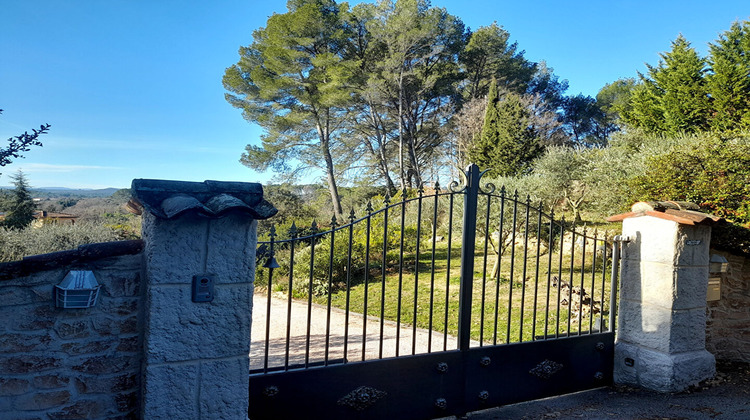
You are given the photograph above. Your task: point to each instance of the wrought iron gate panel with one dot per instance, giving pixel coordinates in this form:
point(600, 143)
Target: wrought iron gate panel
point(434, 345)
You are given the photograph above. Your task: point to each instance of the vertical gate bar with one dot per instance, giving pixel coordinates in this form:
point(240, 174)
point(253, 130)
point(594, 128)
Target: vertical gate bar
point(570, 283)
point(420, 192)
point(583, 273)
point(367, 278)
point(512, 265)
point(525, 261)
point(432, 270)
point(293, 234)
point(549, 268)
point(330, 291)
point(467, 257)
point(313, 228)
point(269, 264)
point(386, 204)
point(484, 269)
point(536, 270)
point(604, 283)
point(348, 285)
point(559, 273)
point(613, 291)
point(499, 262)
point(448, 270)
point(593, 284)
point(400, 272)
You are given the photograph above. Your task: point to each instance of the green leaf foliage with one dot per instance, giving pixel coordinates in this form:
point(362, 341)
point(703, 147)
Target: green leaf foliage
point(708, 170)
point(729, 82)
point(509, 141)
point(672, 98)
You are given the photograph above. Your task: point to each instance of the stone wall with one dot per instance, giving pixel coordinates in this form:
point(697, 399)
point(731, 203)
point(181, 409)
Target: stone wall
point(71, 363)
point(728, 319)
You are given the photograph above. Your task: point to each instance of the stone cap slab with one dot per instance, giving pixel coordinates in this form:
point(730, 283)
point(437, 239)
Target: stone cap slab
point(212, 199)
point(681, 212)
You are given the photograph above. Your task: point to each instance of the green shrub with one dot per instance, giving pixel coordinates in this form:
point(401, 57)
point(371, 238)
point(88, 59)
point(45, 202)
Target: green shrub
point(16, 244)
point(712, 172)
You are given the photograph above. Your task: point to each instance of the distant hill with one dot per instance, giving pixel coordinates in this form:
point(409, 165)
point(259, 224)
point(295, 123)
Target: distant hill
point(53, 192)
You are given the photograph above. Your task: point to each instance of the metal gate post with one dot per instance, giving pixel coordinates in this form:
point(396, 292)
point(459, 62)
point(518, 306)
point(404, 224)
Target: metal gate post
point(468, 240)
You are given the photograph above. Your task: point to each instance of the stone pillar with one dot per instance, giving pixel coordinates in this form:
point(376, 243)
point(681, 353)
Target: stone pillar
point(661, 336)
point(196, 356)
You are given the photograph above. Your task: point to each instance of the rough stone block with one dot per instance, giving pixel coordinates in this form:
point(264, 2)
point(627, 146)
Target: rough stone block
point(691, 285)
point(229, 240)
point(688, 331)
point(13, 386)
point(646, 325)
point(120, 283)
point(69, 329)
point(80, 409)
point(19, 343)
point(105, 364)
point(51, 381)
point(129, 344)
point(28, 364)
point(11, 295)
point(78, 348)
point(223, 389)
point(115, 326)
point(183, 330)
point(42, 400)
point(693, 245)
point(169, 391)
point(175, 249)
point(654, 239)
point(659, 371)
point(648, 282)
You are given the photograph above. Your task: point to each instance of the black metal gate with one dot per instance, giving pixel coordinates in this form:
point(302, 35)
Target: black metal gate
point(380, 318)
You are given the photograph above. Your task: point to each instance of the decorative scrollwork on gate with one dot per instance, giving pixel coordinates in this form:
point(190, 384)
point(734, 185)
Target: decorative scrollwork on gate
point(271, 391)
point(546, 369)
point(361, 398)
point(458, 187)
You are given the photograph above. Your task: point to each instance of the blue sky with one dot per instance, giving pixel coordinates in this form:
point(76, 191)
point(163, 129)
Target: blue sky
point(133, 89)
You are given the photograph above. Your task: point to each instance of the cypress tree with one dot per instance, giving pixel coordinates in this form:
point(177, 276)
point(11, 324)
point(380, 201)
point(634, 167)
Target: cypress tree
point(508, 142)
point(729, 83)
point(21, 206)
point(482, 153)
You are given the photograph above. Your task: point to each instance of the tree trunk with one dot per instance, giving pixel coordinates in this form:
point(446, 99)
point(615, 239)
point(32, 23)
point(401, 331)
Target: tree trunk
point(402, 171)
point(380, 155)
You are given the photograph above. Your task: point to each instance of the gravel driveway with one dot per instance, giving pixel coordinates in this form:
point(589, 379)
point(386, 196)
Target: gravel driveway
point(318, 315)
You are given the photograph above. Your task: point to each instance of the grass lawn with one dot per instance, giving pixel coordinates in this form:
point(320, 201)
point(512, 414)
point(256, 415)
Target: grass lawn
point(503, 311)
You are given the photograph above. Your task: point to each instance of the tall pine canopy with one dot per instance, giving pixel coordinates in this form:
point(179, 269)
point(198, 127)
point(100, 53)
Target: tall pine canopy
point(672, 98)
point(729, 82)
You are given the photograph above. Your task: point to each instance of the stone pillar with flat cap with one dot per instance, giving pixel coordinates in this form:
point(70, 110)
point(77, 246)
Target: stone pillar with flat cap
point(200, 240)
point(661, 334)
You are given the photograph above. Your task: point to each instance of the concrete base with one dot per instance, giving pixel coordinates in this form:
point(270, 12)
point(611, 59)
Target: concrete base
point(650, 369)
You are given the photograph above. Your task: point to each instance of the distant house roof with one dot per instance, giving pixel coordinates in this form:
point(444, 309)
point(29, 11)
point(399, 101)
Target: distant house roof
point(170, 199)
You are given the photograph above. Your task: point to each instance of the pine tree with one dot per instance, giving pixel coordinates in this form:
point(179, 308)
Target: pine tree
point(729, 83)
point(21, 205)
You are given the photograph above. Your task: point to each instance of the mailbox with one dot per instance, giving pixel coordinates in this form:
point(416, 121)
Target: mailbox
point(716, 267)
